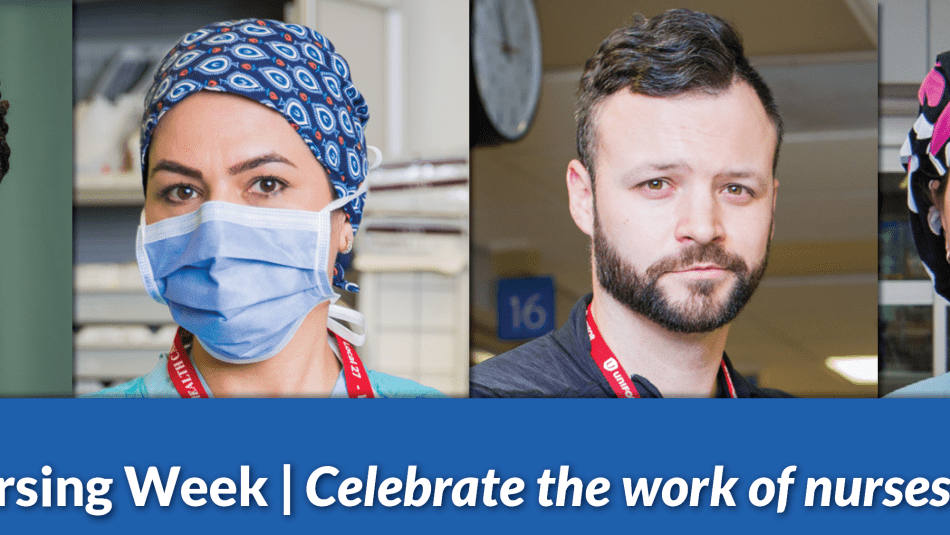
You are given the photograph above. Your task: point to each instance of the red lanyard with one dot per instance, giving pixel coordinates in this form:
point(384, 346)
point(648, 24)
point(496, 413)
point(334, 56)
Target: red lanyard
point(186, 381)
point(183, 374)
point(354, 374)
point(613, 371)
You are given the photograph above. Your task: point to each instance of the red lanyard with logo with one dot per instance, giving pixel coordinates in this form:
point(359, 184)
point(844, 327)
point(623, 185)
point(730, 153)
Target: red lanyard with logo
point(613, 371)
point(186, 381)
point(357, 380)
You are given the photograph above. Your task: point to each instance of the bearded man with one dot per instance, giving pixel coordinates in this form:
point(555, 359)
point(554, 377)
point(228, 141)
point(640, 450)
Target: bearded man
point(677, 139)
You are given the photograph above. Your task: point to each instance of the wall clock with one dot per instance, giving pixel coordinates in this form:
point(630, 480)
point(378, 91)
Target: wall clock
point(505, 70)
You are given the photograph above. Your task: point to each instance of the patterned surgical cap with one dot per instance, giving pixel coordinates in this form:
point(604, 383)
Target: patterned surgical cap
point(292, 70)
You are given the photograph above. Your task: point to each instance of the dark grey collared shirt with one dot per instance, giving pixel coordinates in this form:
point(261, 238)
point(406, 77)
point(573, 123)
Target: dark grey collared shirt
point(559, 365)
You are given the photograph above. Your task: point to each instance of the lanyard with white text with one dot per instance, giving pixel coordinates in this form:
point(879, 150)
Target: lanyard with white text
point(613, 371)
point(357, 380)
point(186, 381)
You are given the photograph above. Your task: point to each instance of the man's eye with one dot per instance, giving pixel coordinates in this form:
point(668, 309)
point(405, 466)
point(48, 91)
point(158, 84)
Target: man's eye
point(735, 189)
point(655, 184)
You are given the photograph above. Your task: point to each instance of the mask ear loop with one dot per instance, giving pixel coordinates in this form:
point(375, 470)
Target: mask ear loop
point(343, 201)
point(348, 315)
point(379, 157)
point(337, 313)
point(933, 220)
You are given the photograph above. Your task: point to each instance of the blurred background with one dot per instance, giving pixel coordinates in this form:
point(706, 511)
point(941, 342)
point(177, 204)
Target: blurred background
point(35, 200)
point(408, 58)
point(913, 317)
point(818, 301)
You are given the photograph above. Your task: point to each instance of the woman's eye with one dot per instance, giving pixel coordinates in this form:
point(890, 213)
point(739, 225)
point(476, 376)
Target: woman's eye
point(655, 185)
point(267, 185)
point(181, 193)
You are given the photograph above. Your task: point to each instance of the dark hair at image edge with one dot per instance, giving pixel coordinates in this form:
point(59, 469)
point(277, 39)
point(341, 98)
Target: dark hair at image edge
point(4, 148)
point(678, 52)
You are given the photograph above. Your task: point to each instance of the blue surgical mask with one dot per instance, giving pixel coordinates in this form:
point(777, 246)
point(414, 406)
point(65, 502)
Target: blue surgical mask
point(241, 278)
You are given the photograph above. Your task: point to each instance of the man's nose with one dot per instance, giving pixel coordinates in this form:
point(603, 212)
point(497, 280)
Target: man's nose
point(699, 219)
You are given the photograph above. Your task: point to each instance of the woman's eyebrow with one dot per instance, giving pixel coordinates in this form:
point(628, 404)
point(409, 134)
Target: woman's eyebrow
point(247, 165)
point(177, 168)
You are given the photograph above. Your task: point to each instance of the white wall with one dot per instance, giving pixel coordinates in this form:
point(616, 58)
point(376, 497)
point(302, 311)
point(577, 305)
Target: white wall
point(409, 58)
point(913, 32)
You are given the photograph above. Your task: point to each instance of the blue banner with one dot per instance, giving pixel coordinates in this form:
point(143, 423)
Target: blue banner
point(472, 466)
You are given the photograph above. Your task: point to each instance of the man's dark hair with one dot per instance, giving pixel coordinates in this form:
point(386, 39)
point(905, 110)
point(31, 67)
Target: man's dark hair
point(678, 52)
point(4, 148)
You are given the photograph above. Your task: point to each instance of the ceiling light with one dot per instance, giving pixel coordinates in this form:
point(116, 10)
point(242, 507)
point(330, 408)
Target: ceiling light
point(860, 370)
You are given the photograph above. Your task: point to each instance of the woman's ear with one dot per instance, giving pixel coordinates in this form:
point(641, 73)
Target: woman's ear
point(344, 233)
point(932, 188)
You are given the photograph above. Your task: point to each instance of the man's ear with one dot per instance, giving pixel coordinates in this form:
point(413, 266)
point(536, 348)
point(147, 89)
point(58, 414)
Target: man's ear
point(774, 199)
point(580, 195)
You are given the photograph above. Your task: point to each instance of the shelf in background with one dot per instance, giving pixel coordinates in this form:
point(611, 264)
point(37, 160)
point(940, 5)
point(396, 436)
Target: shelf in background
point(108, 190)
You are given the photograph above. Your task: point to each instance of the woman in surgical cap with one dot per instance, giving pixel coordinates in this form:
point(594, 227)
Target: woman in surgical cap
point(925, 157)
point(4, 147)
point(254, 168)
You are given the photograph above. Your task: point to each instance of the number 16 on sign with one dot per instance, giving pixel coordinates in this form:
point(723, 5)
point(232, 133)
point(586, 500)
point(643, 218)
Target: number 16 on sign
point(525, 307)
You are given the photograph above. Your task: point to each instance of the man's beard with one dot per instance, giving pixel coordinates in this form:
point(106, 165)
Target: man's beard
point(701, 312)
